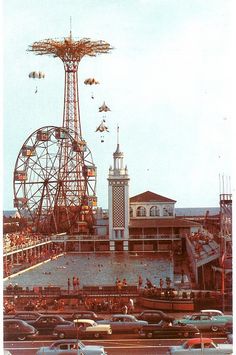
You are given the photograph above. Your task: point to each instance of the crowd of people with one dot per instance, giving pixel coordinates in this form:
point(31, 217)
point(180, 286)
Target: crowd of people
point(121, 283)
point(198, 239)
point(110, 304)
point(73, 285)
point(25, 259)
point(20, 239)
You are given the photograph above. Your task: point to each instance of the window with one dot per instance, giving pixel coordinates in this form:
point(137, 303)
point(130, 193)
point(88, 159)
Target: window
point(63, 347)
point(141, 211)
point(154, 211)
point(26, 316)
point(197, 346)
point(209, 346)
point(131, 212)
point(12, 325)
point(195, 318)
point(167, 211)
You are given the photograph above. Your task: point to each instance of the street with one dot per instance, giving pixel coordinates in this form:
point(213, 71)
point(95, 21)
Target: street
point(120, 344)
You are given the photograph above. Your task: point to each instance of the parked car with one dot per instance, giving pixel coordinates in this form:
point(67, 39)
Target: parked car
point(45, 324)
point(82, 315)
point(124, 323)
point(71, 347)
point(167, 329)
point(154, 316)
point(17, 329)
point(204, 322)
point(27, 316)
point(200, 346)
point(215, 313)
point(82, 328)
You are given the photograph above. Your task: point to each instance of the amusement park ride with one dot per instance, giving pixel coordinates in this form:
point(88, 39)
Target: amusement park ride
point(54, 175)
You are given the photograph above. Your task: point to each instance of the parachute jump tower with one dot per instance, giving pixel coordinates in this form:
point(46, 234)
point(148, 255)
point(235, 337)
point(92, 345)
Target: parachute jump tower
point(54, 176)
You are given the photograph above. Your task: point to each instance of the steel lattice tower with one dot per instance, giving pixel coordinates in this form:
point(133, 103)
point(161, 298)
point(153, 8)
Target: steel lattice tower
point(56, 187)
point(71, 51)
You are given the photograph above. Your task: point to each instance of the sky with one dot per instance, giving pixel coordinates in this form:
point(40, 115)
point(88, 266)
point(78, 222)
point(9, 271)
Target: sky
point(168, 83)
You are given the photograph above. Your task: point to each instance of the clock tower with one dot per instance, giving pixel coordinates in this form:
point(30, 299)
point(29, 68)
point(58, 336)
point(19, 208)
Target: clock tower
point(118, 202)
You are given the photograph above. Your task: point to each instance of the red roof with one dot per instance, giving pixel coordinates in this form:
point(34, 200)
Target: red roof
point(160, 222)
point(149, 196)
point(199, 340)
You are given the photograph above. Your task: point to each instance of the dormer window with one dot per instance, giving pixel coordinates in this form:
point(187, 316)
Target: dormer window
point(154, 211)
point(141, 211)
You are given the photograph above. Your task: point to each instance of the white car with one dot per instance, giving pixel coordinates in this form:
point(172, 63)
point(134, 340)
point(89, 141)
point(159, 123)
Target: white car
point(201, 346)
point(71, 347)
point(82, 328)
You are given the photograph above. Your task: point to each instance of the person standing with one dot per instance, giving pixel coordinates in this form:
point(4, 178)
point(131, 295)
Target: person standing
point(140, 281)
point(68, 285)
point(74, 282)
point(77, 283)
point(161, 284)
point(125, 309)
point(131, 305)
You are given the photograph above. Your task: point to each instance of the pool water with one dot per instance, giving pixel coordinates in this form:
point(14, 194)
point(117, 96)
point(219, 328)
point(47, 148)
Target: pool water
point(96, 269)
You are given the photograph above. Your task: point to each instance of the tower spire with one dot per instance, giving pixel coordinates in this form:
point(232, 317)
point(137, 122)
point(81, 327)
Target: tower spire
point(118, 128)
point(70, 28)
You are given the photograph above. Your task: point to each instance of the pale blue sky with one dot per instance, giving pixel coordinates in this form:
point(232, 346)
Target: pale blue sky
point(168, 84)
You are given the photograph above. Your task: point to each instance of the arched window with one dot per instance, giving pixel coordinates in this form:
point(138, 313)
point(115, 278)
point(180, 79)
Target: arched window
point(141, 211)
point(168, 211)
point(154, 211)
point(131, 212)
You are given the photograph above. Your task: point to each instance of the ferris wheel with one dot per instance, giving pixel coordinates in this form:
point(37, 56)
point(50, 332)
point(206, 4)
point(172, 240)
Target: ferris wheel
point(55, 181)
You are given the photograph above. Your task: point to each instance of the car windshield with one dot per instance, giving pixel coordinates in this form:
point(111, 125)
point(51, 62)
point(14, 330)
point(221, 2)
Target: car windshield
point(64, 346)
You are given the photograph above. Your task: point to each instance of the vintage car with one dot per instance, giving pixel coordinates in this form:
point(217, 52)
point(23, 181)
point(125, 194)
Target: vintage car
point(215, 313)
point(24, 315)
point(200, 346)
point(124, 323)
point(45, 324)
point(167, 329)
point(82, 328)
point(81, 315)
point(204, 322)
point(17, 329)
point(154, 316)
point(71, 347)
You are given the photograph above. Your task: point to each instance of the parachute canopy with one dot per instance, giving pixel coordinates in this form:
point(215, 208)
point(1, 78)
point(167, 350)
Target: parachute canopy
point(102, 127)
point(91, 81)
point(36, 75)
point(104, 108)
